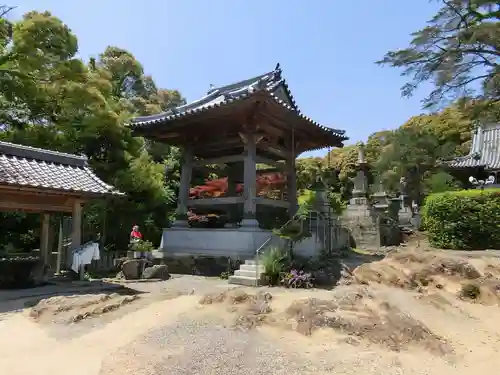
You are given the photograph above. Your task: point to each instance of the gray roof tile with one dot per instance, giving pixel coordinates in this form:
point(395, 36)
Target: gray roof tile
point(272, 82)
point(33, 167)
point(485, 149)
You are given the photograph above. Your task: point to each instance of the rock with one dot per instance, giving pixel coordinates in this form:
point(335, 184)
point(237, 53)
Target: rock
point(322, 278)
point(159, 271)
point(132, 268)
point(118, 262)
point(39, 273)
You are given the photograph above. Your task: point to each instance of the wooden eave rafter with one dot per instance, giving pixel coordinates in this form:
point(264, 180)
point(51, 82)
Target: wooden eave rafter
point(259, 110)
point(32, 199)
point(203, 121)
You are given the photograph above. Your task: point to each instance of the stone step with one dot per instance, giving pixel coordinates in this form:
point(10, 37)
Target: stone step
point(248, 267)
point(251, 262)
point(243, 280)
point(246, 273)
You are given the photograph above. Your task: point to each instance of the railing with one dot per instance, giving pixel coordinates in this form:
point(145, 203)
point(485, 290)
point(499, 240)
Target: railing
point(261, 247)
point(322, 226)
point(257, 256)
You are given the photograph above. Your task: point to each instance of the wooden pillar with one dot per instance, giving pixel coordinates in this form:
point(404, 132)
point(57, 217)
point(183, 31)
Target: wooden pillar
point(44, 239)
point(232, 176)
point(59, 247)
point(291, 185)
point(185, 181)
point(231, 179)
point(76, 229)
point(249, 180)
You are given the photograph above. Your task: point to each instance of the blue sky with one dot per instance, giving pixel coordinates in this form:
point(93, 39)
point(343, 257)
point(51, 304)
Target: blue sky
point(326, 48)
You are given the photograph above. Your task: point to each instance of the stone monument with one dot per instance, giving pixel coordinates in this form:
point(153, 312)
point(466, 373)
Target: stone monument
point(360, 181)
point(359, 216)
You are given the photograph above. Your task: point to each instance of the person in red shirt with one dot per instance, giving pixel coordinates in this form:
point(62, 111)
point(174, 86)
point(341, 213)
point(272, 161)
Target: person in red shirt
point(135, 235)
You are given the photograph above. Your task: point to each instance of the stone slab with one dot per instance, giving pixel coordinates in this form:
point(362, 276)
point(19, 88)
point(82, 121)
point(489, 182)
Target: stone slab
point(242, 280)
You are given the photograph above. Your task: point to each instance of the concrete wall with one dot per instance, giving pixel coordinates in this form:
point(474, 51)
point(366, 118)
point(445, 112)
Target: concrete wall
point(230, 242)
point(243, 243)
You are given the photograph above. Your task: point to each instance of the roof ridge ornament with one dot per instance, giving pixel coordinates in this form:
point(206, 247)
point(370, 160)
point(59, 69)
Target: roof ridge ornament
point(211, 89)
point(277, 72)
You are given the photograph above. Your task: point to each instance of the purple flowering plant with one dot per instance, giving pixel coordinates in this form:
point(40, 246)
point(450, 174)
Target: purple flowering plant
point(297, 279)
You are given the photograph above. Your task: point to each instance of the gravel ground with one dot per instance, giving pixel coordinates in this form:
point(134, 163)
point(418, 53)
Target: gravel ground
point(202, 347)
point(181, 284)
point(164, 334)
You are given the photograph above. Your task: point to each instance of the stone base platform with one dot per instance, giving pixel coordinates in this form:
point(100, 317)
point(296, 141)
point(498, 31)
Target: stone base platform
point(236, 243)
point(208, 252)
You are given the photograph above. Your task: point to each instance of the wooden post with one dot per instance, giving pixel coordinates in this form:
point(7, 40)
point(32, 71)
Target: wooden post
point(232, 176)
point(291, 185)
point(186, 174)
point(59, 247)
point(44, 238)
point(249, 180)
point(76, 230)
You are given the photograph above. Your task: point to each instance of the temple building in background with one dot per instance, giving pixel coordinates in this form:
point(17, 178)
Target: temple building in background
point(483, 159)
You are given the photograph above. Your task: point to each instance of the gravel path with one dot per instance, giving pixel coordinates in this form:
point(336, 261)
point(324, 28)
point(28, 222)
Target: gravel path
point(201, 347)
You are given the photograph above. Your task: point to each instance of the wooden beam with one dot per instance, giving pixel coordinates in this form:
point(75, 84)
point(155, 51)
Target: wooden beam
point(280, 152)
point(218, 161)
point(38, 192)
point(27, 207)
point(26, 201)
point(208, 144)
point(215, 201)
point(272, 202)
point(269, 161)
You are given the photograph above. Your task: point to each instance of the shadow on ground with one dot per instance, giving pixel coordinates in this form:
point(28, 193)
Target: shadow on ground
point(18, 299)
point(335, 271)
point(354, 259)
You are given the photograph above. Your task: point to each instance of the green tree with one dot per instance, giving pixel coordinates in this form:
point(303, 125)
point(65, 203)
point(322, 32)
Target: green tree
point(307, 171)
point(59, 102)
point(412, 154)
point(458, 50)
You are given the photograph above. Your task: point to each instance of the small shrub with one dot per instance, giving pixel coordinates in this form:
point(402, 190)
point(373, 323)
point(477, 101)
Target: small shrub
point(470, 291)
point(274, 261)
point(465, 220)
point(142, 246)
point(337, 203)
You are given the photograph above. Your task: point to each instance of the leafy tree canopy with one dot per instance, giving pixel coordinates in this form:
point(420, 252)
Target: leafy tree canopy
point(50, 98)
point(458, 50)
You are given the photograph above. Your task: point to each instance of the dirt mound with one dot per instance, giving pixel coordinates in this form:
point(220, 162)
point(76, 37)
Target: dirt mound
point(71, 309)
point(424, 271)
point(360, 315)
point(250, 310)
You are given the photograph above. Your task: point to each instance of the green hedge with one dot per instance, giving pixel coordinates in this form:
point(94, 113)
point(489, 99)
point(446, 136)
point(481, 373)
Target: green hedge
point(465, 220)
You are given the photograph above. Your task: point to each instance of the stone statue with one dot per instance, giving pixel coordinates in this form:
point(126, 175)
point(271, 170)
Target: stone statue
point(402, 185)
point(361, 154)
